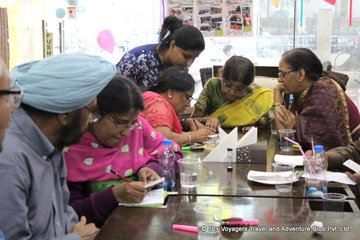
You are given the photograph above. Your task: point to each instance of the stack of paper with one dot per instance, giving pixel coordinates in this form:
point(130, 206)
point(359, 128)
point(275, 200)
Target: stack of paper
point(296, 160)
point(333, 177)
point(153, 199)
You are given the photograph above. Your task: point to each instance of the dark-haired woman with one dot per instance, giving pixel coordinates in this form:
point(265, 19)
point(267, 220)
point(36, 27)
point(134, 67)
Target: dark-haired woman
point(178, 45)
point(166, 100)
point(234, 99)
point(120, 140)
point(320, 109)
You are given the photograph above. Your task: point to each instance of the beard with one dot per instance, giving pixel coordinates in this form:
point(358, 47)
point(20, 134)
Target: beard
point(73, 132)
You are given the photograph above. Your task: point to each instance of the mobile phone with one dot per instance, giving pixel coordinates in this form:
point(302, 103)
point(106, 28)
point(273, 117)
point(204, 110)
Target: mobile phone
point(352, 165)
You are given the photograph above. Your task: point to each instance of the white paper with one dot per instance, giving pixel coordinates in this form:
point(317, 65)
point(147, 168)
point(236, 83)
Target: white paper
point(218, 154)
point(153, 183)
point(334, 177)
point(152, 197)
point(296, 160)
point(352, 165)
point(222, 134)
point(249, 138)
point(271, 177)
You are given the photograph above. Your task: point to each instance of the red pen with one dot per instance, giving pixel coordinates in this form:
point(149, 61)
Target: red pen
point(123, 178)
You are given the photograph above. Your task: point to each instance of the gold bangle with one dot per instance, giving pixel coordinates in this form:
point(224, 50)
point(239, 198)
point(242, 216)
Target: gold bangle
point(277, 104)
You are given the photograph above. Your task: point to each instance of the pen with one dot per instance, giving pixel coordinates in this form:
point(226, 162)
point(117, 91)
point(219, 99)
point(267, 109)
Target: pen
point(123, 178)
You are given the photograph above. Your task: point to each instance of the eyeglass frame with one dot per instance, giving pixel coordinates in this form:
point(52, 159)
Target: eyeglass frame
point(284, 74)
point(96, 116)
point(123, 125)
point(190, 98)
point(13, 92)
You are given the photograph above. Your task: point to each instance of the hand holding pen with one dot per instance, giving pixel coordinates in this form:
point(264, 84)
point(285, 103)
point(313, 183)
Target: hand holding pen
point(130, 191)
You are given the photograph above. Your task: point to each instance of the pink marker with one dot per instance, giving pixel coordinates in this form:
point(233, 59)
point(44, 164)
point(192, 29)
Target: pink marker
point(186, 228)
point(242, 222)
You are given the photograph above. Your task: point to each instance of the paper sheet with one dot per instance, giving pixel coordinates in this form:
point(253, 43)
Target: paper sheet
point(222, 134)
point(153, 183)
point(218, 154)
point(154, 197)
point(249, 138)
point(296, 160)
point(334, 177)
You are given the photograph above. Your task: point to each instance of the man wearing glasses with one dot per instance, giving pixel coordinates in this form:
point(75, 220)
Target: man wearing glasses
point(7, 100)
point(7, 97)
point(54, 113)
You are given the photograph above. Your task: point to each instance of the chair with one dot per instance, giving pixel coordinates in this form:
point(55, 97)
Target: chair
point(205, 74)
point(266, 71)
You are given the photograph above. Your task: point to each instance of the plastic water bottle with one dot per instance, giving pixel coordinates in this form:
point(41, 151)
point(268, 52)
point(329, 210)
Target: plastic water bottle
point(316, 184)
point(291, 100)
point(167, 160)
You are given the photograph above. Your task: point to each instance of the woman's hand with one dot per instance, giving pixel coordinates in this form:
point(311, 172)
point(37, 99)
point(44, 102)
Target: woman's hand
point(355, 177)
point(200, 135)
point(212, 123)
point(194, 124)
point(132, 192)
point(146, 174)
point(285, 117)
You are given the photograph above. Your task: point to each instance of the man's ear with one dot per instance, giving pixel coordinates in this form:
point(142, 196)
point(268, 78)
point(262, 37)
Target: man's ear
point(64, 118)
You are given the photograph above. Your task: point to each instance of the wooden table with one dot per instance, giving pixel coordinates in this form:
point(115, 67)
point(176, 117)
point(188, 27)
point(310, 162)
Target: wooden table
point(239, 198)
point(280, 218)
point(215, 179)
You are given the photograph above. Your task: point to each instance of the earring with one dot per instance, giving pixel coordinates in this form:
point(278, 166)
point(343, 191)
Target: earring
point(170, 96)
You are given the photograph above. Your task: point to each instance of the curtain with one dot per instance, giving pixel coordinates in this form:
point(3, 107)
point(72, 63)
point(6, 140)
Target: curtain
point(4, 36)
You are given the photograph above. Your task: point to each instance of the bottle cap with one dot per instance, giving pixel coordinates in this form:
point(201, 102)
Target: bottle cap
point(318, 148)
point(167, 142)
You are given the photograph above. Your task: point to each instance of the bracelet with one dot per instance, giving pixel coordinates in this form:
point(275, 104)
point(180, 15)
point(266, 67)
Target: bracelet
point(278, 104)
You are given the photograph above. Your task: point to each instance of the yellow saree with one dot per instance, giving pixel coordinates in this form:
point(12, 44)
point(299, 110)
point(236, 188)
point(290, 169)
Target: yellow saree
point(247, 110)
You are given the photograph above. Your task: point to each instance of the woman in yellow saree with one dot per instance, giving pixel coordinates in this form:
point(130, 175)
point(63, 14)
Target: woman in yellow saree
point(234, 100)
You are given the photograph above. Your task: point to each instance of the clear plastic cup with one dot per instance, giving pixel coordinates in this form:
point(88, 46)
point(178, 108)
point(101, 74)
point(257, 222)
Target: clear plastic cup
point(333, 202)
point(208, 220)
point(283, 184)
point(285, 145)
point(188, 172)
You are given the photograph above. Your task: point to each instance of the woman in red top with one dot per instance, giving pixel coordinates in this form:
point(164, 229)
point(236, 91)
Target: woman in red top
point(166, 100)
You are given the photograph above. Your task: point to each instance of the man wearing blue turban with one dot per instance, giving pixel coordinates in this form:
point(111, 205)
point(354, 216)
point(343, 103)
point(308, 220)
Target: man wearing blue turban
point(58, 104)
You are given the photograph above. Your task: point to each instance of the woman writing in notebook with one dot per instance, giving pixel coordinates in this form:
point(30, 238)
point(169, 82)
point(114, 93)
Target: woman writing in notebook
point(166, 100)
point(119, 141)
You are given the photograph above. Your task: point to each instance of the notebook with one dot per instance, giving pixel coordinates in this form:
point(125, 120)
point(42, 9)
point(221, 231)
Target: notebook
point(153, 199)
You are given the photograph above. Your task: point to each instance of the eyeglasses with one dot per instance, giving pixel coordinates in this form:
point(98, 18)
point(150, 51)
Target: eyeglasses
point(283, 74)
point(188, 97)
point(124, 124)
point(238, 89)
point(13, 96)
point(93, 114)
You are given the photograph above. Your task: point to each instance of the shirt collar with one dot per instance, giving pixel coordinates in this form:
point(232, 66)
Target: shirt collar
point(32, 135)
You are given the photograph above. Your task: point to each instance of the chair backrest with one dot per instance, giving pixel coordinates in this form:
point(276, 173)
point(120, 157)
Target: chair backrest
point(205, 74)
point(266, 71)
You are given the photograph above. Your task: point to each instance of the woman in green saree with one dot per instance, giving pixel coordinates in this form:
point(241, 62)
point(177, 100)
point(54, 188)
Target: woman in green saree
point(234, 99)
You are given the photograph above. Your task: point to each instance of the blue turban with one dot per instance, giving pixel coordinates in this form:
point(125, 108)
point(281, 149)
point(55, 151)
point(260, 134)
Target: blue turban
point(63, 83)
